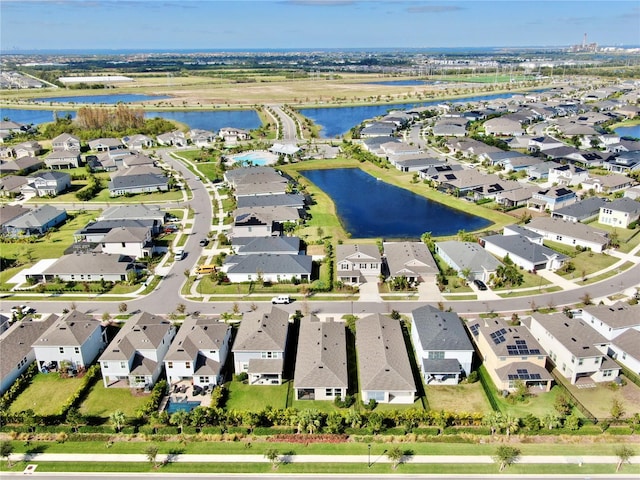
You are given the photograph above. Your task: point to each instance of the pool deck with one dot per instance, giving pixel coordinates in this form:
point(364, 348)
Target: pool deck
point(185, 394)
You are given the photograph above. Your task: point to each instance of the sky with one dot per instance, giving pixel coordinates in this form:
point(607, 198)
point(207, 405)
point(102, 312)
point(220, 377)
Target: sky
point(301, 24)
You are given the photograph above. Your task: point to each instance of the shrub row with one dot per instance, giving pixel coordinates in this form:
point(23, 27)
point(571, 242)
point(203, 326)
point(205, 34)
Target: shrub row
point(17, 387)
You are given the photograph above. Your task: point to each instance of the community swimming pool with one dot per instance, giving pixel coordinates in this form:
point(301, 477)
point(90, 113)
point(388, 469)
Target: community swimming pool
point(254, 157)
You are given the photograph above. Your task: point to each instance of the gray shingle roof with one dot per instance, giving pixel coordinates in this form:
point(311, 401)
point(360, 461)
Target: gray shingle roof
point(277, 245)
point(629, 343)
point(575, 334)
point(322, 355)
point(16, 342)
point(582, 209)
point(571, 229)
point(92, 264)
point(618, 315)
point(143, 331)
point(520, 246)
point(383, 362)
point(267, 264)
point(405, 258)
point(261, 333)
point(469, 255)
point(439, 330)
point(197, 334)
point(70, 330)
point(37, 217)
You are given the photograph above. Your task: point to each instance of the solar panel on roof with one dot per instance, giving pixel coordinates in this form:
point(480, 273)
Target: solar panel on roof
point(474, 329)
point(522, 370)
point(535, 376)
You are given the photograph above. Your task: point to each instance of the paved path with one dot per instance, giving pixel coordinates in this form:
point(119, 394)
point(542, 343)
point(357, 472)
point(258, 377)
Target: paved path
point(364, 459)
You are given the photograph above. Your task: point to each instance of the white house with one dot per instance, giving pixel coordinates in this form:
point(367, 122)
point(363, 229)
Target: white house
point(626, 350)
point(198, 352)
point(134, 357)
point(611, 321)
point(619, 213)
point(356, 262)
point(577, 350)
point(529, 255)
point(469, 259)
point(443, 350)
point(132, 241)
point(15, 345)
point(384, 370)
point(259, 346)
point(75, 339)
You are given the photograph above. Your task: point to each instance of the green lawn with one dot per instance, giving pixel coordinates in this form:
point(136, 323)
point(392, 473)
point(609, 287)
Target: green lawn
point(598, 400)
point(466, 397)
point(243, 396)
point(101, 401)
point(46, 394)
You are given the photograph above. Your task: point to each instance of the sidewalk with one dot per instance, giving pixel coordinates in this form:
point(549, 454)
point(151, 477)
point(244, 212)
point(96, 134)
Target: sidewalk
point(363, 459)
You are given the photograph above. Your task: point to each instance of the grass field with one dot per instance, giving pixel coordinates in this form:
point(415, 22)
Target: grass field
point(467, 397)
point(243, 396)
point(46, 394)
point(101, 401)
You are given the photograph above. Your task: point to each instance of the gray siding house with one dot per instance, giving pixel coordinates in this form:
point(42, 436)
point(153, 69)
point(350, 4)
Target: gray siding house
point(321, 363)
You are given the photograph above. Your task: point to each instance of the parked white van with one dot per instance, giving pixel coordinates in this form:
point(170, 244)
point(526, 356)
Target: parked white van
point(281, 299)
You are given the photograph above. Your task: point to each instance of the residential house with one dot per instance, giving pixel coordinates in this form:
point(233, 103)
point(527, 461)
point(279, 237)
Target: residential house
point(577, 350)
point(552, 198)
point(280, 245)
point(59, 159)
point(10, 185)
point(503, 126)
point(512, 161)
point(15, 345)
point(21, 165)
point(267, 268)
point(233, 135)
point(27, 149)
point(540, 171)
point(384, 370)
point(470, 260)
point(86, 267)
point(582, 211)
point(411, 260)
point(34, 222)
point(611, 321)
point(321, 371)
point(543, 143)
point(175, 138)
point(66, 141)
point(95, 231)
point(515, 197)
point(568, 175)
point(260, 346)
point(619, 213)
point(140, 211)
point(355, 262)
point(626, 350)
point(608, 183)
point(294, 200)
point(138, 142)
point(135, 242)
point(73, 342)
point(199, 352)
point(625, 162)
point(44, 184)
point(9, 212)
point(263, 221)
point(413, 163)
point(569, 233)
point(134, 357)
point(511, 355)
point(444, 352)
point(201, 138)
point(134, 183)
point(105, 144)
point(528, 254)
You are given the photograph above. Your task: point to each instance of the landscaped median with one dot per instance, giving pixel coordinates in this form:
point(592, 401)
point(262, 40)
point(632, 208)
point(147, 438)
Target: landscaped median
point(355, 455)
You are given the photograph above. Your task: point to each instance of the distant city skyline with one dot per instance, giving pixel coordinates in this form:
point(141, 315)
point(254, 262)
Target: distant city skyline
point(291, 24)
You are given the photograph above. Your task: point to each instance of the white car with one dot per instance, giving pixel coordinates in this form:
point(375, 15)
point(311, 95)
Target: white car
point(281, 299)
point(22, 308)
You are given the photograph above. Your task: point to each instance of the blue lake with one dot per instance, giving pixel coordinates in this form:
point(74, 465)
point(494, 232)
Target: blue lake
point(629, 131)
point(206, 120)
point(32, 116)
point(369, 208)
point(336, 121)
point(213, 120)
point(106, 99)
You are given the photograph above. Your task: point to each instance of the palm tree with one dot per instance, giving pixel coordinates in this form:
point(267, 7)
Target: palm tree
point(506, 455)
point(624, 453)
point(273, 456)
point(396, 455)
point(117, 418)
point(179, 418)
